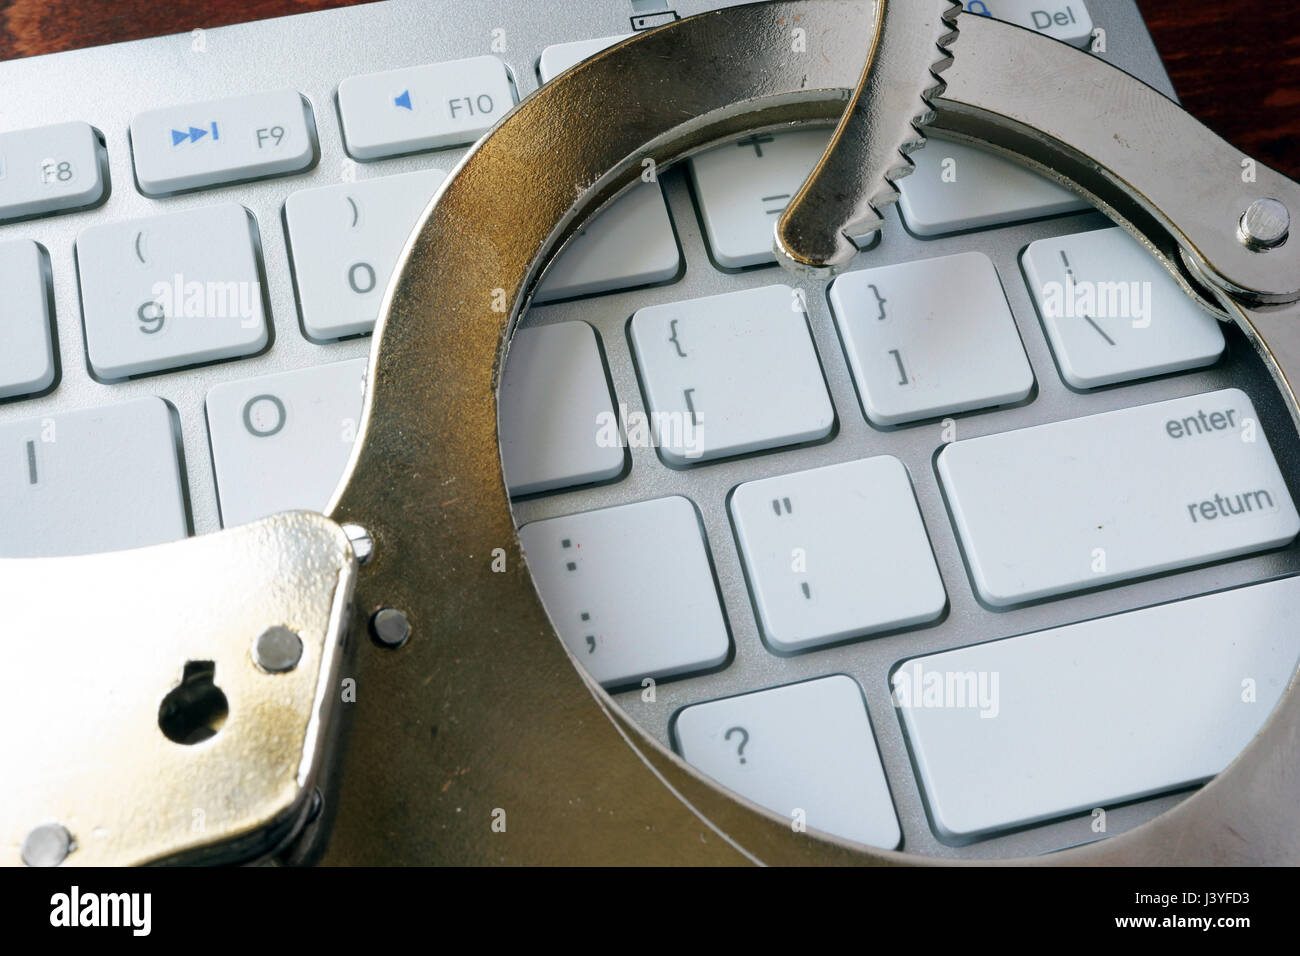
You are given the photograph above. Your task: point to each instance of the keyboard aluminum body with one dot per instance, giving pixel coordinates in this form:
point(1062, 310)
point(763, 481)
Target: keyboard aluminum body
point(108, 86)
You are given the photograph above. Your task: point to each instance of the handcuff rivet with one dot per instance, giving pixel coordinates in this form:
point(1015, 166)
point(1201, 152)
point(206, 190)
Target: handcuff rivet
point(1264, 225)
point(277, 649)
point(389, 627)
point(47, 845)
point(363, 546)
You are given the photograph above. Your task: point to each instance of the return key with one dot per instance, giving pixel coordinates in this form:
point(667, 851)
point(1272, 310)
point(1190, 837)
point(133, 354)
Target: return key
point(1115, 496)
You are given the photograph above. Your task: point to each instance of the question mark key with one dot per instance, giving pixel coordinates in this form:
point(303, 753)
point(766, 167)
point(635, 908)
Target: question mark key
point(804, 751)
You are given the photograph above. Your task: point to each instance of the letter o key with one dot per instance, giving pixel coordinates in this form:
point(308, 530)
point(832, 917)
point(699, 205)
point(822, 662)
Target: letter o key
point(281, 415)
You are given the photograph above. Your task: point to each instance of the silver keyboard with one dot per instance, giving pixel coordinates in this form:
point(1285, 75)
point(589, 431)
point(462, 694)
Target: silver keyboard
point(1002, 449)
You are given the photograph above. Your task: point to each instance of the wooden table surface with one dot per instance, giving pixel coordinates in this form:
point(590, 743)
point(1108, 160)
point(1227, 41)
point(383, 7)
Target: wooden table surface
point(1236, 65)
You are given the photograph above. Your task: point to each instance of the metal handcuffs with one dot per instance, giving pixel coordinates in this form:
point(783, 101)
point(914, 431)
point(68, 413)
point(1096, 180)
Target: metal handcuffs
point(480, 691)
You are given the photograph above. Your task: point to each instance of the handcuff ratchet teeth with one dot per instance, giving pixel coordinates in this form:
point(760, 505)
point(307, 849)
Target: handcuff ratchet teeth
point(480, 713)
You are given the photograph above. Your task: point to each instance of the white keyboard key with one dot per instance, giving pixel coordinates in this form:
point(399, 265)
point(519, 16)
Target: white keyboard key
point(1095, 714)
point(630, 590)
point(836, 552)
point(1086, 502)
point(423, 107)
point(281, 442)
point(803, 747)
point(345, 240)
point(555, 399)
point(222, 141)
point(957, 187)
point(931, 337)
point(1112, 313)
point(50, 169)
point(27, 358)
point(100, 479)
point(558, 57)
point(731, 374)
point(629, 244)
point(1065, 20)
point(744, 186)
point(171, 290)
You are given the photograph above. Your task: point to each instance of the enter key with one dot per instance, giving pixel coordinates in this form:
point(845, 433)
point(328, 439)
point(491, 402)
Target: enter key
point(1077, 504)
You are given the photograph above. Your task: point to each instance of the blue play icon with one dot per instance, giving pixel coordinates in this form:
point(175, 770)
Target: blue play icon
point(192, 135)
point(404, 101)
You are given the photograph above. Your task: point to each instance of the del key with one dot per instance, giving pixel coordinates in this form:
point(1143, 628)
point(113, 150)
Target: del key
point(1077, 504)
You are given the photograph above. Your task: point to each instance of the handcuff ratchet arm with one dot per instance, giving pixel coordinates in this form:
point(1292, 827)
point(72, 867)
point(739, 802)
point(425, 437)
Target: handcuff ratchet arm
point(1125, 147)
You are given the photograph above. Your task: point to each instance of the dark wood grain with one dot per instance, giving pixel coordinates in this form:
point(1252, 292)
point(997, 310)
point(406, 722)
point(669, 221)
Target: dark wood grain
point(1236, 65)
point(31, 27)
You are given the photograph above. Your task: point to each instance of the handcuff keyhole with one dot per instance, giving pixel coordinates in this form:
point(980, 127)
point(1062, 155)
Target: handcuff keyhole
point(196, 709)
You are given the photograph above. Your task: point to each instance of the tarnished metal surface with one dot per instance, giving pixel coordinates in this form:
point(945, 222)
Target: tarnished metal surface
point(483, 710)
point(113, 634)
point(481, 741)
point(482, 744)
